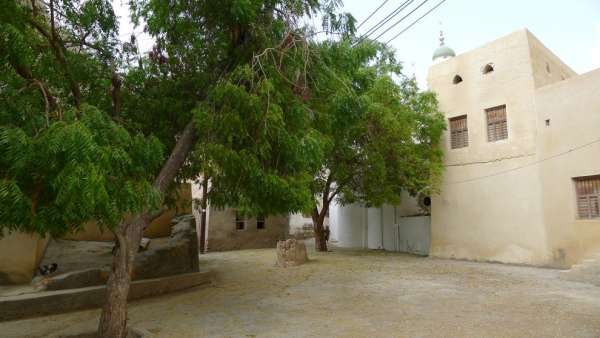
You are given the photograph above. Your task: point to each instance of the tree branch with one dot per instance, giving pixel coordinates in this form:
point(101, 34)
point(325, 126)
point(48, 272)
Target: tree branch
point(116, 93)
point(58, 49)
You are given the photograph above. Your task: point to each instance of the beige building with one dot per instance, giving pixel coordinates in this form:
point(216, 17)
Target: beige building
point(522, 178)
point(228, 229)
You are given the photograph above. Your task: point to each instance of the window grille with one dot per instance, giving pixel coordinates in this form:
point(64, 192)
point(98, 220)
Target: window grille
point(497, 126)
point(459, 132)
point(588, 197)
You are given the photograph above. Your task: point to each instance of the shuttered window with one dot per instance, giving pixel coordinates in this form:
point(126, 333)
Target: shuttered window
point(497, 127)
point(588, 197)
point(459, 133)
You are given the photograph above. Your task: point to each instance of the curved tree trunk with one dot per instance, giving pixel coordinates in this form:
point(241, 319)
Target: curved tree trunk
point(113, 320)
point(318, 220)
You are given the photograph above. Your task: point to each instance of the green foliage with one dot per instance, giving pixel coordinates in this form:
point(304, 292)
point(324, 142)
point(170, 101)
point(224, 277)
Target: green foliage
point(255, 140)
point(73, 172)
point(380, 132)
point(66, 159)
point(260, 149)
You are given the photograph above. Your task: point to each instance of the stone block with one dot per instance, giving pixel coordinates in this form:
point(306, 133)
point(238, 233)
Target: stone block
point(291, 252)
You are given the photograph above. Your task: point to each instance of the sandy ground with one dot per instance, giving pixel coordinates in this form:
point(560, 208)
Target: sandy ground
point(356, 294)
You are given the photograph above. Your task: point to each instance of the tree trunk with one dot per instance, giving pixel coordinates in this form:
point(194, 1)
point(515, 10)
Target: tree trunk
point(203, 205)
point(113, 320)
point(318, 220)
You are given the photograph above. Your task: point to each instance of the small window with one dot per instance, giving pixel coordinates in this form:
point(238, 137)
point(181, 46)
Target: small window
point(547, 122)
point(497, 127)
point(488, 68)
point(459, 133)
point(457, 79)
point(548, 68)
point(260, 222)
point(240, 222)
point(588, 197)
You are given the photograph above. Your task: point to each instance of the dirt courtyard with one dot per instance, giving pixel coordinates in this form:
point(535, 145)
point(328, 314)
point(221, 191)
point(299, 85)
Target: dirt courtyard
point(356, 294)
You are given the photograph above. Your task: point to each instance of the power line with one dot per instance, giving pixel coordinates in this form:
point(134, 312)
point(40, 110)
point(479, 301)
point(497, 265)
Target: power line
point(528, 165)
point(370, 15)
point(419, 19)
point(402, 19)
point(385, 20)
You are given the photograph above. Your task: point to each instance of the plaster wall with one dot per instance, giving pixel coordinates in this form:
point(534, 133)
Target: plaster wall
point(356, 226)
point(20, 255)
point(348, 225)
point(160, 227)
point(223, 235)
point(490, 207)
point(569, 147)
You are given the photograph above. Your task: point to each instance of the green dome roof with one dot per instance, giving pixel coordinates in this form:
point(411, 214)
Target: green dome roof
point(442, 52)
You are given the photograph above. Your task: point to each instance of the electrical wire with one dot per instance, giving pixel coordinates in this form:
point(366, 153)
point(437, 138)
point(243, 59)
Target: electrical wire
point(419, 19)
point(385, 20)
point(373, 13)
point(527, 165)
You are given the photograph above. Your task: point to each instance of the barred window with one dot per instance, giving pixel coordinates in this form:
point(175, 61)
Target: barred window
point(240, 222)
point(459, 133)
point(588, 197)
point(497, 127)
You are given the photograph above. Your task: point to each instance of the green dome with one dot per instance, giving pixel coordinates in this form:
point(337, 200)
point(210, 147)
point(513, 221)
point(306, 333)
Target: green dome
point(443, 52)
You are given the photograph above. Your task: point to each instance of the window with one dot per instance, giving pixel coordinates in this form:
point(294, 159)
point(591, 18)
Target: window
point(260, 222)
point(488, 68)
point(548, 68)
point(457, 79)
point(240, 223)
point(459, 133)
point(588, 197)
point(497, 126)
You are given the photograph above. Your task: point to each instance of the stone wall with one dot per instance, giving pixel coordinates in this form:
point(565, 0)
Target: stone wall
point(223, 235)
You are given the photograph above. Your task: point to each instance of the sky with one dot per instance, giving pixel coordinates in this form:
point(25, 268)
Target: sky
point(571, 29)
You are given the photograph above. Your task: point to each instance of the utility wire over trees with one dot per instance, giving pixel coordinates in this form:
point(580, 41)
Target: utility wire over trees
point(379, 25)
point(385, 20)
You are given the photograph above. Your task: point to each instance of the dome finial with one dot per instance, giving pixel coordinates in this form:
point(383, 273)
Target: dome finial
point(443, 52)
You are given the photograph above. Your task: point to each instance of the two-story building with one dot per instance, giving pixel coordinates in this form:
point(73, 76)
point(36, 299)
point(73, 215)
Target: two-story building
point(522, 158)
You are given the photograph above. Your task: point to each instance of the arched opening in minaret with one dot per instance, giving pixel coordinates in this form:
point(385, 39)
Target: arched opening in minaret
point(457, 79)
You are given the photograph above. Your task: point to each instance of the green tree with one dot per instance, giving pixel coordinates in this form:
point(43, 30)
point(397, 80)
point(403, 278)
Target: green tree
point(94, 131)
point(379, 133)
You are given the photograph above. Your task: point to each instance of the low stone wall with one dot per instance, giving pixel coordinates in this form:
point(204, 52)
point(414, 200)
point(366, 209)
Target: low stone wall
point(54, 302)
point(175, 255)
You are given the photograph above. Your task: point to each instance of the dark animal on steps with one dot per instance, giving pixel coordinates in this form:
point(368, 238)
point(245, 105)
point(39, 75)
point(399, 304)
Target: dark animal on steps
point(48, 269)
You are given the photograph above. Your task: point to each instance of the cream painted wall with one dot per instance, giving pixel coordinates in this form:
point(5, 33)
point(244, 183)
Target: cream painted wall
point(514, 201)
point(497, 218)
point(573, 108)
